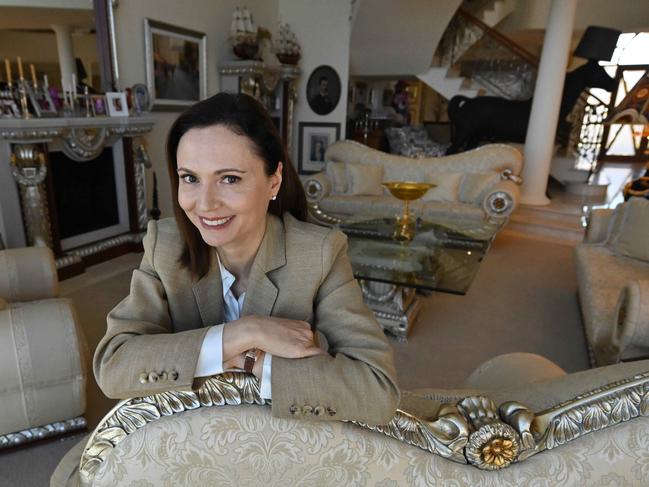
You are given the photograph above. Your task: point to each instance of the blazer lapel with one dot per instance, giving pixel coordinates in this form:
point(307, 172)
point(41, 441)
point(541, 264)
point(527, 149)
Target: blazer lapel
point(208, 292)
point(262, 292)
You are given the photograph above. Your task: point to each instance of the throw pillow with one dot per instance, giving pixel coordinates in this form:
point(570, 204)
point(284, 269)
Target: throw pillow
point(413, 142)
point(475, 184)
point(632, 239)
point(364, 179)
point(615, 223)
point(338, 177)
point(447, 189)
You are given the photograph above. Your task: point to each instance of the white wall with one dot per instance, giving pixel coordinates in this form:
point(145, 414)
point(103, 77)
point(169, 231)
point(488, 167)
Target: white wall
point(323, 31)
point(397, 38)
point(208, 16)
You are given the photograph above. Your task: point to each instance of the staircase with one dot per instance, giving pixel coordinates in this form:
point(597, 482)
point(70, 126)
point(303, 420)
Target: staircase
point(443, 76)
point(558, 222)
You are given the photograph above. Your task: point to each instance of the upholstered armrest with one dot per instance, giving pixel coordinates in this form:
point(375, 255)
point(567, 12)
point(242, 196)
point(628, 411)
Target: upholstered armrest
point(631, 334)
point(317, 186)
point(27, 274)
point(598, 223)
point(501, 199)
point(43, 363)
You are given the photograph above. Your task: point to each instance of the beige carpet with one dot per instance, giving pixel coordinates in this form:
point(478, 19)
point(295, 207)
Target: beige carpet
point(523, 299)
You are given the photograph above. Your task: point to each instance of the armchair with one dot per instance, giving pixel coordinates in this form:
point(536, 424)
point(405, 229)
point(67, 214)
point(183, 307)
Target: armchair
point(42, 373)
point(612, 272)
point(575, 429)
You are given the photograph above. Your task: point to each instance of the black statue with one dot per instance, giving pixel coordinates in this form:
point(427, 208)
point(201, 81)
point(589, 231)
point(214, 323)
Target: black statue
point(495, 119)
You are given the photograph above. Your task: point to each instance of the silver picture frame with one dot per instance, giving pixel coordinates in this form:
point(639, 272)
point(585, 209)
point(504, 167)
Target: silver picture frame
point(174, 84)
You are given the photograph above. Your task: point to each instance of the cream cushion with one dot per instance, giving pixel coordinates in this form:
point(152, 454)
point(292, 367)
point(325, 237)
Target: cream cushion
point(364, 179)
point(337, 175)
point(632, 314)
point(513, 370)
point(447, 186)
point(474, 184)
point(632, 238)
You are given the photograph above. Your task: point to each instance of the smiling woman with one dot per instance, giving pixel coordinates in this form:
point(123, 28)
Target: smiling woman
point(239, 280)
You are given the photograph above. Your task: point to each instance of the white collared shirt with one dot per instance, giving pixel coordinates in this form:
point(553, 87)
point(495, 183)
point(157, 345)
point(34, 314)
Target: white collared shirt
point(210, 358)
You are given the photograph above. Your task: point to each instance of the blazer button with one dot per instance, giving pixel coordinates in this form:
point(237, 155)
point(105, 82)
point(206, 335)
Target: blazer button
point(153, 377)
point(331, 411)
point(319, 411)
point(164, 376)
point(144, 378)
point(307, 410)
point(174, 375)
point(293, 409)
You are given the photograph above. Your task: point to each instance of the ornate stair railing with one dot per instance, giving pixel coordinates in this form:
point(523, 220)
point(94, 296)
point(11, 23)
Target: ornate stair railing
point(476, 51)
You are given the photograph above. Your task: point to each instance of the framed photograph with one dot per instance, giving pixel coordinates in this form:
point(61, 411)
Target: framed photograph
point(41, 102)
point(116, 103)
point(176, 65)
point(313, 142)
point(98, 105)
point(323, 90)
point(9, 109)
point(141, 99)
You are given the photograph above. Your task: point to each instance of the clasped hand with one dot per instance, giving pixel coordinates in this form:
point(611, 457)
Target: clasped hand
point(277, 336)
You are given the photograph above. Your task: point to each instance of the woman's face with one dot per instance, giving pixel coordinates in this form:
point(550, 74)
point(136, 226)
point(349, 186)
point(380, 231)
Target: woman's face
point(223, 187)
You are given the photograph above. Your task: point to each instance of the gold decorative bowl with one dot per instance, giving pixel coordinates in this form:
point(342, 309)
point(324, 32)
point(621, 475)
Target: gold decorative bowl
point(406, 191)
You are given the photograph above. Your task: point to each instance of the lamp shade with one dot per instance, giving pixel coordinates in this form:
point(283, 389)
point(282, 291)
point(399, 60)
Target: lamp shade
point(597, 43)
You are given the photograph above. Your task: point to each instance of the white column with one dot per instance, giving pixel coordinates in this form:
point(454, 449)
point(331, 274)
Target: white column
point(541, 130)
point(66, 52)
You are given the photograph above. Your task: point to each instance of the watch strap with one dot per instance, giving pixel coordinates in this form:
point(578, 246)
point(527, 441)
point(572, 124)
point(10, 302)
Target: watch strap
point(249, 362)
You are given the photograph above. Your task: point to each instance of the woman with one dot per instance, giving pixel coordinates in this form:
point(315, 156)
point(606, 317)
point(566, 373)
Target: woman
point(239, 279)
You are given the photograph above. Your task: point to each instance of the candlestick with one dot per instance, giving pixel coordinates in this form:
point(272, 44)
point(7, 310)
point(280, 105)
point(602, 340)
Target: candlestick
point(20, 69)
point(32, 68)
point(74, 85)
point(46, 85)
point(8, 69)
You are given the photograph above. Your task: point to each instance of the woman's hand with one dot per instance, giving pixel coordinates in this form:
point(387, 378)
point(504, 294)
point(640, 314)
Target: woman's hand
point(285, 338)
point(278, 336)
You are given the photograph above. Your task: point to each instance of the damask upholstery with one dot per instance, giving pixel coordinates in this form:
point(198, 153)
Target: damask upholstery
point(488, 186)
point(602, 274)
point(245, 446)
point(43, 356)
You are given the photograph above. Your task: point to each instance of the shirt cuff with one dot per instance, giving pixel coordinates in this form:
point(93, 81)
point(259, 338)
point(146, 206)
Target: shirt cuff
point(266, 388)
point(210, 358)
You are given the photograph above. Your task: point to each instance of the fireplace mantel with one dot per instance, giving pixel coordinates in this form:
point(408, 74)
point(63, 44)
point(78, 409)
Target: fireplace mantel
point(24, 148)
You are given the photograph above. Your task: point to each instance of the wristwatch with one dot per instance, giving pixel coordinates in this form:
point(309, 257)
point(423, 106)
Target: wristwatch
point(251, 358)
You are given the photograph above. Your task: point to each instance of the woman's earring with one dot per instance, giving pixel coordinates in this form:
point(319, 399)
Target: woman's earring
point(274, 197)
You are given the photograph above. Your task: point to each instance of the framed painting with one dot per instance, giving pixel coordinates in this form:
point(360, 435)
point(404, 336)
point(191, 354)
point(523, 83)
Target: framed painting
point(176, 65)
point(314, 139)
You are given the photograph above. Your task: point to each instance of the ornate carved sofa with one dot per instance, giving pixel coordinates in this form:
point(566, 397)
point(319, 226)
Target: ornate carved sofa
point(585, 428)
point(613, 277)
point(474, 185)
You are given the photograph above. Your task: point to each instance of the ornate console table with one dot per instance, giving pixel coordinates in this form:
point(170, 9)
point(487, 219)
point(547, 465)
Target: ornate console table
point(25, 191)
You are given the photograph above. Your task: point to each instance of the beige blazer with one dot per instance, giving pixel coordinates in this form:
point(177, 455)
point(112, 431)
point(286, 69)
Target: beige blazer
point(302, 272)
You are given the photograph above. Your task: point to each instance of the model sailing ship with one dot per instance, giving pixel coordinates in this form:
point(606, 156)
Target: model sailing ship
point(286, 48)
point(243, 34)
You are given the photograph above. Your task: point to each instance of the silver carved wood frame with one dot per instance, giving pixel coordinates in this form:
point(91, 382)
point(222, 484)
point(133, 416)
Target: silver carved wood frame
point(152, 27)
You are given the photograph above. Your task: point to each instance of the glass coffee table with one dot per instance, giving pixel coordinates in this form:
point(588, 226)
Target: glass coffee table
point(442, 256)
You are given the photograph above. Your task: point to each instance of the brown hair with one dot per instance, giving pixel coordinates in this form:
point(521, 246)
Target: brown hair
point(244, 116)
